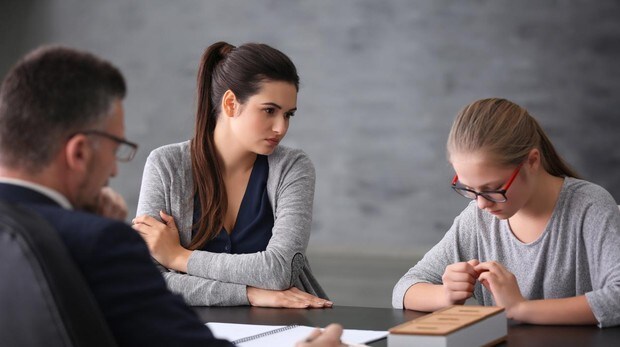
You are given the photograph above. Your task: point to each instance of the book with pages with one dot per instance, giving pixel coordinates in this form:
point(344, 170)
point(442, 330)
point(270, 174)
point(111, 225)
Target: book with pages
point(453, 326)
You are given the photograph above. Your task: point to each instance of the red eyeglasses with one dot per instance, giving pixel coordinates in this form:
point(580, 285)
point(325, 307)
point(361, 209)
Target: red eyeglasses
point(491, 195)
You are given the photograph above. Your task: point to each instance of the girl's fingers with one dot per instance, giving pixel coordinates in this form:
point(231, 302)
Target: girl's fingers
point(492, 266)
point(463, 267)
point(473, 262)
point(486, 279)
point(461, 277)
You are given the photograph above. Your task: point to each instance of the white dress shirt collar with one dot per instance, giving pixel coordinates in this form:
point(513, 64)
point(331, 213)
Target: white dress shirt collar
point(50, 193)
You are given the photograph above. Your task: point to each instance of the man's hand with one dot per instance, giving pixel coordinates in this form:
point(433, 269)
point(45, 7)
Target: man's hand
point(329, 337)
point(109, 204)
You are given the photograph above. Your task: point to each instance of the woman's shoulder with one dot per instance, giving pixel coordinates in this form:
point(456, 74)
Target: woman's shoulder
point(172, 154)
point(285, 152)
point(172, 148)
point(171, 160)
point(286, 157)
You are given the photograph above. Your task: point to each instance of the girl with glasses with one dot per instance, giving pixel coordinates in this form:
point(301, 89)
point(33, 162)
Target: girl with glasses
point(228, 213)
point(536, 239)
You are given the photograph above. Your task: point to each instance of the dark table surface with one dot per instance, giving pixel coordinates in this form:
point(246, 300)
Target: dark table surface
point(368, 318)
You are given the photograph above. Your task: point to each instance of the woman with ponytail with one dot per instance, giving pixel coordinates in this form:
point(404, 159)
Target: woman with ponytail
point(536, 239)
point(228, 213)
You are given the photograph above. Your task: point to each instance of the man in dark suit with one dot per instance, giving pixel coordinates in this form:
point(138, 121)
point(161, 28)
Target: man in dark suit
point(61, 133)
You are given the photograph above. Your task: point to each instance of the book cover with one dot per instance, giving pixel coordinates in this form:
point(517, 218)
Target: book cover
point(453, 326)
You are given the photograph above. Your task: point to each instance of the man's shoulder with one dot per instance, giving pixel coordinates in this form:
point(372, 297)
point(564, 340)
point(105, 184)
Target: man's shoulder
point(82, 229)
point(56, 215)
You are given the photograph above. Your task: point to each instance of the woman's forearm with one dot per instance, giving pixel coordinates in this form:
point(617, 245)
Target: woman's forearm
point(266, 270)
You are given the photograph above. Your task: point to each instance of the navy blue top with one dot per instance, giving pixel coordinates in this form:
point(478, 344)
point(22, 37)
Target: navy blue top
point(252, 230)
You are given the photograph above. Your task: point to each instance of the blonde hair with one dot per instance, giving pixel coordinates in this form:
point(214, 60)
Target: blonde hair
point(506, 131)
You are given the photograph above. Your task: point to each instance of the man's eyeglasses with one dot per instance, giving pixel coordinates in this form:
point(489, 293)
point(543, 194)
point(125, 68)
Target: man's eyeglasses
point(125, 151)
point(491, 195)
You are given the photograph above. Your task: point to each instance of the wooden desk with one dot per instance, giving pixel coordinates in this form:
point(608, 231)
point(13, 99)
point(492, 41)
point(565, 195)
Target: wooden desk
point(384, 318)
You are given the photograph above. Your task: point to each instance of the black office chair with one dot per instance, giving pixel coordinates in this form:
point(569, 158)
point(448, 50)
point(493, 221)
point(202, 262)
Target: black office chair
point(44, 300)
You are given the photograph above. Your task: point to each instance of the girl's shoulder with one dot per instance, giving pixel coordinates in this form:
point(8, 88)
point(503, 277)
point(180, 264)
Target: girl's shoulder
point(582, 192)
point(581, 201)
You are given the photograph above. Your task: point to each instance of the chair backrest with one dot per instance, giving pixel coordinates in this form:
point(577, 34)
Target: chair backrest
point(44, 299)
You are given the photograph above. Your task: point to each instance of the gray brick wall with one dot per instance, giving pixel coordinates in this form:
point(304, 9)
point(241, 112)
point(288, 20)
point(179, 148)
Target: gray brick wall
point(381, 83)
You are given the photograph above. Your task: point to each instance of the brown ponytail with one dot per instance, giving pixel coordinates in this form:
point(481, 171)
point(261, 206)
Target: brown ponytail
point(241, 70)
point(212, 196)
point(505, 130)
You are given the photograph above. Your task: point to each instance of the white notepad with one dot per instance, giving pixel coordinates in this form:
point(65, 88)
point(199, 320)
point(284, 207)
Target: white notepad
point(248, 335)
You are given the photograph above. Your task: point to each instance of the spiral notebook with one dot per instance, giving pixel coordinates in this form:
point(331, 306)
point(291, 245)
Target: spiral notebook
point(248, 335)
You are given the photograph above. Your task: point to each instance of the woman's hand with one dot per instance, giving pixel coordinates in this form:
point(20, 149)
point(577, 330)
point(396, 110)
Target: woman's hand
point(109, 204)
point(289, 298)
point(502, 284)
point(163, 240)
point(329, 337)
point(459, 280)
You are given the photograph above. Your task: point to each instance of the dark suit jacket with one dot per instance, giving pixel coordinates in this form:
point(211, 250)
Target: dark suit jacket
point(117, 266)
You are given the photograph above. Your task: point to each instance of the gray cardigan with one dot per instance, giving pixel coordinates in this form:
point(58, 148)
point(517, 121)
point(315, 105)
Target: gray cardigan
point(220, 279)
